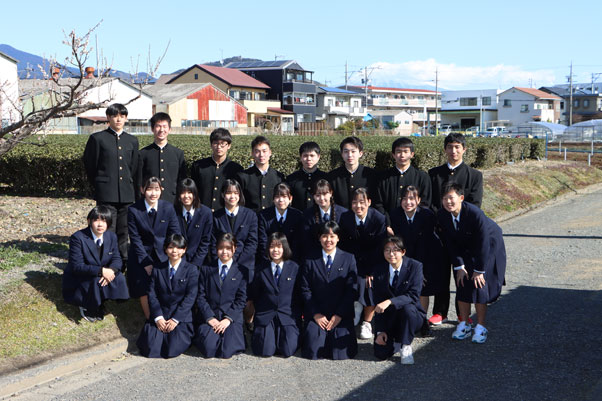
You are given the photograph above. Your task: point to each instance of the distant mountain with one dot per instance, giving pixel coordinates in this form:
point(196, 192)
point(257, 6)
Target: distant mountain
point(28, 66)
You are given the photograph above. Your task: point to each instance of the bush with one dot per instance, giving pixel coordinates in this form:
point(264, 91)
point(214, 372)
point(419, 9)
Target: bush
point(56, 168)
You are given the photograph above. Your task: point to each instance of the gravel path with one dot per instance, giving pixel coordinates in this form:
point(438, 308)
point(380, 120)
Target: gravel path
point(544, 341)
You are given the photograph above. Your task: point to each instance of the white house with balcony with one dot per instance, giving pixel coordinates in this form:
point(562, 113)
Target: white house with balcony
point(336, 106)
point(9, 90)
point(463, 109)
point(523, 105)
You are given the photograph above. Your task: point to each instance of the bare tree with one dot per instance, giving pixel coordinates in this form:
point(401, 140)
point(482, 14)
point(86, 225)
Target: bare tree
point(66, 91)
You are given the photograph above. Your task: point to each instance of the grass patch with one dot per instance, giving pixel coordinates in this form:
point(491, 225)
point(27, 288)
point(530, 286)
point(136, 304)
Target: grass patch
point(23, 253)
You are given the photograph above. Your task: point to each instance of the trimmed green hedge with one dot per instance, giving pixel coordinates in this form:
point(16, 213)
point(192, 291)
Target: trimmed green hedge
point(55, 167)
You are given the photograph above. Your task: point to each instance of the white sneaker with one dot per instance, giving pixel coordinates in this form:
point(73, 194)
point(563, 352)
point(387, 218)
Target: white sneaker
point(406, 355)
point(366, 330)
point(480, 337)
point(462, 331)
point(358, 309)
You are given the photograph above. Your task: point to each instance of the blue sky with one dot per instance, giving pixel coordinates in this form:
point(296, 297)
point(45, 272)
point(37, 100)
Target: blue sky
point(473, 44)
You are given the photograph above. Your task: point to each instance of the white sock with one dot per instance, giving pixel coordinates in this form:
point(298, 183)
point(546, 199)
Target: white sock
point(479, 329)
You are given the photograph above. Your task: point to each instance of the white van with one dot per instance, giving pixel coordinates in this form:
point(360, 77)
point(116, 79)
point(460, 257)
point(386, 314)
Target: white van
point(495, 131)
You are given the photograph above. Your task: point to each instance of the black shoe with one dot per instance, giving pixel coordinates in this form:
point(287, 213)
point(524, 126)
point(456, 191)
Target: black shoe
point(426, 331)
point(100, 313)
point(83, 311)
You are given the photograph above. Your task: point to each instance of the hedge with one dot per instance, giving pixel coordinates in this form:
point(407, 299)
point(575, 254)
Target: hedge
point(53, 165)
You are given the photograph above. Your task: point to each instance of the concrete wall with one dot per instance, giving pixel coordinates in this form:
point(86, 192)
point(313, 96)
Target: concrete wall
point(9, 95)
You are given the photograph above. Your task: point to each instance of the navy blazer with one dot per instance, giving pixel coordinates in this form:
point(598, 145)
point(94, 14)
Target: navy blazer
point(245, 230)
point(292, 228)
point(198, 234)
point(329, 294)
point(173, 298)
point(419, 238)
point(272, 298)
point(477, 243)
point(366, 244)
point(407, 291)
point(147, 240)
point(217, 299)
point(311, 227)
point(84, 262)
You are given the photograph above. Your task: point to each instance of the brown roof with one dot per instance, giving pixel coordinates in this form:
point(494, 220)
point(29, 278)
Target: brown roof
point(278, 110)
point(537, 93)
point(230, 76)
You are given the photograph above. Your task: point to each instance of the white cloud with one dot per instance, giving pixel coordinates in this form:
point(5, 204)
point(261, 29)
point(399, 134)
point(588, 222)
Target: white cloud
point(421, 73)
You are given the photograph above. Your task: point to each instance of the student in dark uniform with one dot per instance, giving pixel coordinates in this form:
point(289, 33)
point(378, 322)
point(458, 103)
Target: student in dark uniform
point(275, 299)
point(323, 210)
point(150, 221)
point(328, 288)
point(393, 180)
point(162, 160)
point(478, 255)
point(172, 293)
point(281, 218)
point(196, 222)
point(302, 180)
point(364, 230)
point(210, 173)
point(220, 302)
point(93, 274)
point(111, 162)
point(471, 180)
point(416, 226)
point(399, 314)
point(259, 180)
point(351, 174)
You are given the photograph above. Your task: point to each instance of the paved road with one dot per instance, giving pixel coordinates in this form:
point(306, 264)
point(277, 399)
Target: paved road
point(545, 340)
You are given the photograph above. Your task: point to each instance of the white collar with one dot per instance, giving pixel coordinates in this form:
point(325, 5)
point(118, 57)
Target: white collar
point(94, 237)
point(148, 208)
point(176, 266)
point(325, 255)
point(278, 215)
point(357, 219)
point(410, 218)
point(235, 212)
point(274, 267)
point(228, 265)
point(184, 211)
point(449, 166)
point(403, 171)
point(392, 270)
point(322, 212)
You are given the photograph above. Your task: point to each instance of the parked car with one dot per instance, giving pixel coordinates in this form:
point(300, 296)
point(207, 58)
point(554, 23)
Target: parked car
point(495, 131)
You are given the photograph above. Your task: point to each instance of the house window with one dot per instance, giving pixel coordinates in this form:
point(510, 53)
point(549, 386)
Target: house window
point(468, 101)
point(576, 103)
point(329, 102)
point(561, 105)
point(356, 103)
point(196, 76)
point(585, 103)
point(486, 101)
point(524, 108)
point(507, 103)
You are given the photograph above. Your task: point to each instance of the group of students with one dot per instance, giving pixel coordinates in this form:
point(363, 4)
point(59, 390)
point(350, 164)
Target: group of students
point(298, 260)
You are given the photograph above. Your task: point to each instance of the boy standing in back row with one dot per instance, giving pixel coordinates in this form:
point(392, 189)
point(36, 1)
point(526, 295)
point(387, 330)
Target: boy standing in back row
point(471, 181)
point(302, 180)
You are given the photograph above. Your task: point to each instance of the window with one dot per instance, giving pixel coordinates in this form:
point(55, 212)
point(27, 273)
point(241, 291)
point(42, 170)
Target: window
point(585, 103)
point(524, 108)
point(330, 102)
point(468, 101)
point(486, 101)
point(356, 103)
point(507, 103)
point(576, 103)
point(196, 76)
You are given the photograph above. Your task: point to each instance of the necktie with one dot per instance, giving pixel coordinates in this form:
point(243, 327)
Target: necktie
point(395, 279)
point(456, 223)
point(410, 222)
point(277, 274)
point(151, 214)
point(328, 264)
point(172, 272)
point(99, 247)
point(361, 225)
point(222, 275)
point(326, 217)
point(281, 221)
point(231, 219)
point(188, 217)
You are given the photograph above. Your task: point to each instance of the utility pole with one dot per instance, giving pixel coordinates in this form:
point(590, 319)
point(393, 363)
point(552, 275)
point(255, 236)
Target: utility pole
point(346, 75)
point(436, 101)
point(571, 95)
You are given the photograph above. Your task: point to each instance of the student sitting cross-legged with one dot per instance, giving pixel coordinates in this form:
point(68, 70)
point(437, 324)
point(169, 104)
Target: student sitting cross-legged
point(399, 314)
point(93, 273)
point(220, 302)
point(172, 293)
point(275, 297)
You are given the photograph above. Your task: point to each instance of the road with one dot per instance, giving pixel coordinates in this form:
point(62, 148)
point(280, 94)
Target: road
point(544, 343)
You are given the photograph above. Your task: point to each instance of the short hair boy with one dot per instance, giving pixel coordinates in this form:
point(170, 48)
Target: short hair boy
point(302, 180)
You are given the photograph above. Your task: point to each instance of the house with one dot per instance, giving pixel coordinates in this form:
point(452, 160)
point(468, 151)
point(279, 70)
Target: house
point(238, 85)
point(41, 93)
point(521, 105)
point(421, 103)
point(9, 91)
point(289, 83)
point(400, 120)
point(336, 106)
point(463, 109)
point(586, 101)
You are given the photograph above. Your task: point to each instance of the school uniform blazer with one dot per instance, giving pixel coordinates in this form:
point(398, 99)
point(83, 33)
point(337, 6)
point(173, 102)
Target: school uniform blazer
point(272, 298)
point(301, 184)
point(221, 300)
point(311, 227)
point(258, 188)
point(209, 179)
point(329, 294)
point(418, 238)
point(344, 183)
point(173, 299)
point(245, 230)
point(292, 228)
point(476, 244)
point(84, 263)
point(392, 183)
point(407, 291)
point(365, 244)
point(167, 164)
point(147, 239)
point(111, 164)
point(469, 178)
point(197, 234)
